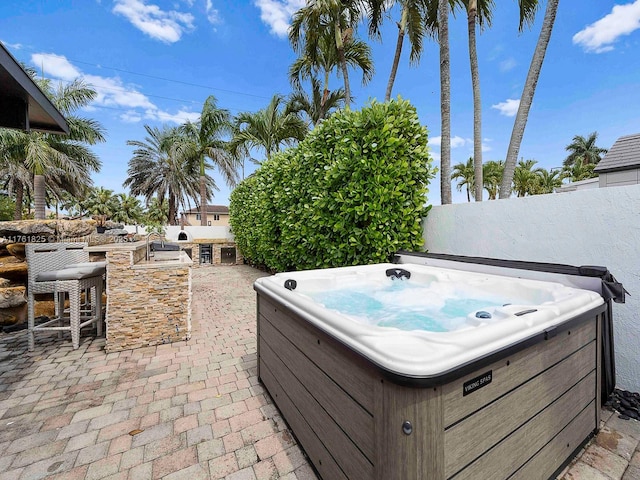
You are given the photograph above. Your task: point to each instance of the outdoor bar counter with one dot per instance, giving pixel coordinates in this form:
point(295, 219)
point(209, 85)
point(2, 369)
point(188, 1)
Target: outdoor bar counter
point(148, 300)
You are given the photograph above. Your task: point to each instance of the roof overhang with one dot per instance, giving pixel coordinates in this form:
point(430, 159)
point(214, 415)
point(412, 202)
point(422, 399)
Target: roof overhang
point(22, 104)
point(617, 169)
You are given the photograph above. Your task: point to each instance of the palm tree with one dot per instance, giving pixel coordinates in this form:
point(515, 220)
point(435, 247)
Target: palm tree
point(268, 129)
point(206, 139)
point(156, 171)
point(100, 201)
point(445, 102)
point(156, 214)
point(577, 171)
point(464, 173)
point(584, 149)
point(15, 176)
point(525, 178)
point(69, 157)
point(316, 107)
point(548, 181)
point(51, 158)
point(492, 173)
point(412, 23)
point(321, 19)
point(325, 61)
point(478, 11)
point(129, 210)
point(527, 7)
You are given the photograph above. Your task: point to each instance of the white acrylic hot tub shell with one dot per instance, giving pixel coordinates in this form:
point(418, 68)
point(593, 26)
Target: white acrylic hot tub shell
point(425, 354)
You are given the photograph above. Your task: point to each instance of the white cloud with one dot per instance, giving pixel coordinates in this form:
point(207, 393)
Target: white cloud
point(53, 65)
point(166, 26)
point(14, 46)
point(598, 37)
point(111, 92)
point(130, 117)
point(507, 108)
point(181, 117)
point(213, 15)
point(455, 142)
point(508, 64)
point(277, 14)
point(459, 142)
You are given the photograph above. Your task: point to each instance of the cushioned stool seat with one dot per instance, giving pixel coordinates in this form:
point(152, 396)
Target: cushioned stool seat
point(67, 273)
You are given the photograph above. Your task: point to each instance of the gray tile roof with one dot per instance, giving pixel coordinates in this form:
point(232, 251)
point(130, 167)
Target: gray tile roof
point(623, 155)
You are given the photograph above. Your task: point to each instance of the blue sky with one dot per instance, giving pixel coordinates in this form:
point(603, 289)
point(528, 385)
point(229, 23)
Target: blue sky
point(156, 61)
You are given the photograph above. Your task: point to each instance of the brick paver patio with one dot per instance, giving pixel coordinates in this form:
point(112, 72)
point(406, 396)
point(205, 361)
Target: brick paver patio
point(189, 410)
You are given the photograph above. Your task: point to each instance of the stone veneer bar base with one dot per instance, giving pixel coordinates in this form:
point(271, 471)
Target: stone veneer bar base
point(147, 304)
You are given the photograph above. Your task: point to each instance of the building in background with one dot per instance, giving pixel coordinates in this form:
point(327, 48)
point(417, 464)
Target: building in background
point(621, 165)
point(217, 215)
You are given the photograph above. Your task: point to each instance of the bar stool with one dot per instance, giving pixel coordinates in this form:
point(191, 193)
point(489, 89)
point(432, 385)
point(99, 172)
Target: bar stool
point(47, 274)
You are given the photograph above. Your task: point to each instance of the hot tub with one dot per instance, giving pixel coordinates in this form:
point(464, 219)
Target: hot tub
point(384, 372)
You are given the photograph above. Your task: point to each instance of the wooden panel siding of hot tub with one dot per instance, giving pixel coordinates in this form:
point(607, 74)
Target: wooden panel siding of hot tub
point(477, 434)
point(510, 372)
point(509, 455)
point(558, 450)
point(356, 422)
point(356, 377)
point(348, 415)
point(323, 390)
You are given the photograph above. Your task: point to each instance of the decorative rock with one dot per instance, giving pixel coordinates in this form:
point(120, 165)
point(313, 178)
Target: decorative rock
point(13, 269)
point(45, 308)
point(45, 230)
point(627, 404)
point(17, 250)
point(75, 228)
point(116, 232)
point(12, 316)
point(4, 283)
point(29, 228)
point(113, 225)
point(11, 297)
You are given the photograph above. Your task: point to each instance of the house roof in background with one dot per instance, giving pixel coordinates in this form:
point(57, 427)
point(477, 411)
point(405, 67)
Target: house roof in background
point(219, 209)
point(623, 155)
point(19, 91)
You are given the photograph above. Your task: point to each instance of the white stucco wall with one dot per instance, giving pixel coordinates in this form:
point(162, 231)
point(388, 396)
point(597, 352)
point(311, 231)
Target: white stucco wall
point(193, 232)
point(586, 227)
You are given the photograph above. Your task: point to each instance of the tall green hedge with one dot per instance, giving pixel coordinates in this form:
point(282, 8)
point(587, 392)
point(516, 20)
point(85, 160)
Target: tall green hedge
point(352, 192)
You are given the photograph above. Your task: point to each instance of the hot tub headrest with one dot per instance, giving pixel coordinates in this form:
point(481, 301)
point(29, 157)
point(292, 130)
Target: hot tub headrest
point(398, 273)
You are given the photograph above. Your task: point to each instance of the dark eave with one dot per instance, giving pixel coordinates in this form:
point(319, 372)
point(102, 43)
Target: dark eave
point(22, 104)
